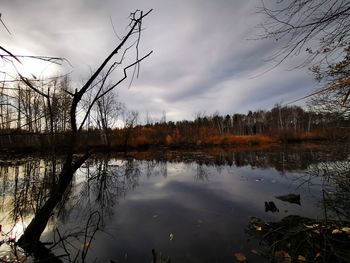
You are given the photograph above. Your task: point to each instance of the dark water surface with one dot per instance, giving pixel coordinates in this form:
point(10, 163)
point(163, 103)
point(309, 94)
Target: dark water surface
point(188, 206)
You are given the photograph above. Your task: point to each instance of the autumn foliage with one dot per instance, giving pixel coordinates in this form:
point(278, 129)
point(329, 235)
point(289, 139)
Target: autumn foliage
point(261, 128)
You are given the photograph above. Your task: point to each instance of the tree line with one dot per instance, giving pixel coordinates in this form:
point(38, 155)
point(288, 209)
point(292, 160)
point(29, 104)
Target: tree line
point(25, 111)
point(281, 123)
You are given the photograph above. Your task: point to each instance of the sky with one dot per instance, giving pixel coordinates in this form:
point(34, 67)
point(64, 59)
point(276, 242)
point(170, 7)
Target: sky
point(207, 56)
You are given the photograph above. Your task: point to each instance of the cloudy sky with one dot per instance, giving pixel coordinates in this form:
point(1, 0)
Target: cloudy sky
point(205, 58)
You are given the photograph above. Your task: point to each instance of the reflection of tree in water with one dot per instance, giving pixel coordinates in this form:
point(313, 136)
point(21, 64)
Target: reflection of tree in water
point(132, 172)
point(281, 161)
point(155, 168)
point(105, 182)
point(102, 181)
point(284, 159)
point(163, 166)
point(288, 158)
point(202, 173)
point(336, 192)
point(327, 239)
point(150, 167)
point(27, 185)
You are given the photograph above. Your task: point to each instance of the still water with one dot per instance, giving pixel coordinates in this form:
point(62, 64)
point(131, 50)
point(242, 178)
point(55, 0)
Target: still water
point(187, 206)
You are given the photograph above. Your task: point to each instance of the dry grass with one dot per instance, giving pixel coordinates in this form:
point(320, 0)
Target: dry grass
point(229, 139)
point(293, 136)
point(152, 138)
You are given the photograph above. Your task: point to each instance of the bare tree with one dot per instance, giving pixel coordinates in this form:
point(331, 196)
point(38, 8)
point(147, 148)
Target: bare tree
point(30, 240)
point(108, 110)
point(130, 120)
point(318, 29)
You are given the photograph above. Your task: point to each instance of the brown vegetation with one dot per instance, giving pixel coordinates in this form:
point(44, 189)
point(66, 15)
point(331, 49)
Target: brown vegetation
point(184, 134)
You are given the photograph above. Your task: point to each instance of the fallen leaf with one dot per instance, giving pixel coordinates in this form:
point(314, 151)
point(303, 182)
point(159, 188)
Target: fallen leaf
point(336, 231)
point(258, 228)
point(283, 256)
point(254, 251)
point(318, 254)
point(301, 258)
point(240, 257)
point(312, 226)
point(346, 230)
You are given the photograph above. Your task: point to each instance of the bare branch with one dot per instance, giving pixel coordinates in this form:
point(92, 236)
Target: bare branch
point(9, 54)
point(2, 22)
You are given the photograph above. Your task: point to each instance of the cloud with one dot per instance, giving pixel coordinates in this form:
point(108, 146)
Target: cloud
point(202, 60)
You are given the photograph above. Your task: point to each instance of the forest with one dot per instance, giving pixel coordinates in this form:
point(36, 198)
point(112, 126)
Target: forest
point(32, 122)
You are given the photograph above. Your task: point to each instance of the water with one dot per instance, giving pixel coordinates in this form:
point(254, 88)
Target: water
point(188, 206)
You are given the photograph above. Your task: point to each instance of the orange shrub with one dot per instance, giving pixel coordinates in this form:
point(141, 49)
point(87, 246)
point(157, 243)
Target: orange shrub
point(229, 139)
point(168, 140)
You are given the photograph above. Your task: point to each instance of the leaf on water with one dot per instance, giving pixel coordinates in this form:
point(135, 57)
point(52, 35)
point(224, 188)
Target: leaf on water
point(312, 226)
point(318, 254)
point(256, 252)
point(336, 231)
point(283, 256)
point(258, 228)
point(341, 230)
point(346, 230)
point(240, 257)
point(301, 258)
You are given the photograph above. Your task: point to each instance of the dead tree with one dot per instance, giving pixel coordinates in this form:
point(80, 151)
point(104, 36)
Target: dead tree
point(30, 240)
point(318, 30)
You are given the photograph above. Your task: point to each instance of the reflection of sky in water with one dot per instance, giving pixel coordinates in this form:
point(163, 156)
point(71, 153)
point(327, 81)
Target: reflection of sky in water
point(206, 208)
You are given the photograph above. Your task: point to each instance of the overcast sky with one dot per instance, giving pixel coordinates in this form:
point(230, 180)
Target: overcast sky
point(204, 56)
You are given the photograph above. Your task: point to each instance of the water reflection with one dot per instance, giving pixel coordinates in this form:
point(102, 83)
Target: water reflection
point(283, 159)
point(326, 238)
point(336, 187)
point(102, 182)
point(190, 206)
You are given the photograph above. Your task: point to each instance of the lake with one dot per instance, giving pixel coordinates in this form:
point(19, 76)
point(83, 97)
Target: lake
point(189, 206)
